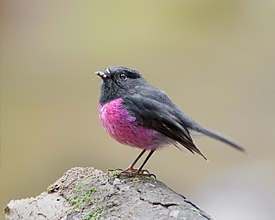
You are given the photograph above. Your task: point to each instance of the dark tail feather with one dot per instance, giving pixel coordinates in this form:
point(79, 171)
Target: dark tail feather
point(222, 138)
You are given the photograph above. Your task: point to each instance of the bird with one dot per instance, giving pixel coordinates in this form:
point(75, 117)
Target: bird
point(137, 114)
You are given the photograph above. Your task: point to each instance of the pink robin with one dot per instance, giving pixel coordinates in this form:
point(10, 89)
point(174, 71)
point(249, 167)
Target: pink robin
point(135, 113)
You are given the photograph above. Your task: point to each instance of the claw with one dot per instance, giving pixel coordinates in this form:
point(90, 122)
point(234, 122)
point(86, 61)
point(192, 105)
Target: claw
point(132, 172)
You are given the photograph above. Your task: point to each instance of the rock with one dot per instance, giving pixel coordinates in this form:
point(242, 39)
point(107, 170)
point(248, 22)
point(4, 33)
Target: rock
point(88, 194)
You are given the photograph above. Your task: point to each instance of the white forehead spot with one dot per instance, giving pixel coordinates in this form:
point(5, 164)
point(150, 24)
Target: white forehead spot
point(108, 71)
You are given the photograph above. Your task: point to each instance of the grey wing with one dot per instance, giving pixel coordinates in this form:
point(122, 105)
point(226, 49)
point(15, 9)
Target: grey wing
point(187, 124)
point(160, 115)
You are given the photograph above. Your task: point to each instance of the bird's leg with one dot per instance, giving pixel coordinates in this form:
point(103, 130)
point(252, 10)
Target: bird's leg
point(142, 172)
point(146, 159)
point(131, 168)
point(131, 171)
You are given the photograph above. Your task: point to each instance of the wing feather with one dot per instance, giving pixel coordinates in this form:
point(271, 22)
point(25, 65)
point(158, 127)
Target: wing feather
point(160, 115)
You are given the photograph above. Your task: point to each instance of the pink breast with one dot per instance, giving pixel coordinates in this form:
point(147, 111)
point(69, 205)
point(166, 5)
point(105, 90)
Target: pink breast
point(123, 127)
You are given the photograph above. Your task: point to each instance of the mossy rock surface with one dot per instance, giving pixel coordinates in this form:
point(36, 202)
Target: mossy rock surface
point(90, 194)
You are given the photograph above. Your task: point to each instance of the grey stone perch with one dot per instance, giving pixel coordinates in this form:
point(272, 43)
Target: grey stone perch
point(90, 194)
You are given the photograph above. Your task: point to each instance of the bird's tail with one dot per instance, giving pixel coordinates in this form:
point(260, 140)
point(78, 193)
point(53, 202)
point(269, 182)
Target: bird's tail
point(222, 138)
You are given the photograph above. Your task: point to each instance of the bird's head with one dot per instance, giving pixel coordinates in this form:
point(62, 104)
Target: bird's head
point(118, 81)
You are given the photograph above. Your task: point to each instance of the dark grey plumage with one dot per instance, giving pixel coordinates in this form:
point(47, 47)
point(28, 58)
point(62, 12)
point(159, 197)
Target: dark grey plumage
point(152, 108)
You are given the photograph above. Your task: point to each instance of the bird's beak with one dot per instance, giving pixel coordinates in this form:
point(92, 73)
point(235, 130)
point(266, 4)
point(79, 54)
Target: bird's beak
point(101, 74)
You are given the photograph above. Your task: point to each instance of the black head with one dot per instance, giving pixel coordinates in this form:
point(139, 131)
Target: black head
point(118, 81)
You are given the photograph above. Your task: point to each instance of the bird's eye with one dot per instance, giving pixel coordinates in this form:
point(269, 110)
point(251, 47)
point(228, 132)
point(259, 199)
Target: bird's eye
point(123, 76)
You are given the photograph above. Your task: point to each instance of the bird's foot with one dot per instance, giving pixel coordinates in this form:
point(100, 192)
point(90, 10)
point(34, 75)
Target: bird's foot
point(132, 172)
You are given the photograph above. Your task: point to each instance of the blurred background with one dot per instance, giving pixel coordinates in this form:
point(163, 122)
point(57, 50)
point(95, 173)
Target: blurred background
point(215, 59)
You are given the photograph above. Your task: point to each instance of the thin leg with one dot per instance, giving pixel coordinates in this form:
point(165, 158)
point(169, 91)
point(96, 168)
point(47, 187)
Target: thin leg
point(136, 160)
point(131, 171)
point(131, 168)
point(145, 161)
